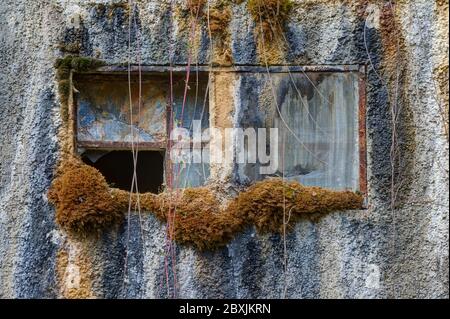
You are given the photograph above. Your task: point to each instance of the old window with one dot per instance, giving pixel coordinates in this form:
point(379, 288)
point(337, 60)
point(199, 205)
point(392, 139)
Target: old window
point(108, 129)
point(319, 112)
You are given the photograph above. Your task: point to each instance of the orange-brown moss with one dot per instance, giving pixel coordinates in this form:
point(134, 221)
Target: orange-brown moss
point(198, 219)
point(84, 203)
point(195, 5)
point(147, 201)
point(266, 202)
point(270, 15)
point(219, 19)
point(74, 275)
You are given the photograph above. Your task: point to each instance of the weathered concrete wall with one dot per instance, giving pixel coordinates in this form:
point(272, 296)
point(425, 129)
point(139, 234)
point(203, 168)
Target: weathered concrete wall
point(376, 253)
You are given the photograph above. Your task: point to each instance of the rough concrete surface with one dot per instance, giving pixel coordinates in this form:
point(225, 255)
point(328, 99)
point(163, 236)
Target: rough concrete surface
point(380, 252)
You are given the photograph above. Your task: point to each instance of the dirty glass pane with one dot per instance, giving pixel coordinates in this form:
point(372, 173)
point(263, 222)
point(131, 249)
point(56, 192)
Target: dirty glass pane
point(195, 106)
point(190, 175)
point(186, 110)
point(104, 113)
point(317, 117)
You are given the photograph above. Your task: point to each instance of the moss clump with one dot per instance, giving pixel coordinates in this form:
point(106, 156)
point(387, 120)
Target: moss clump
point(219, 19)
point(270, 15)
point(84, 203)
point(62, 74)
point(194, 213)
point(147, 201)
point(265, 203)
point(64, 91)
point(78, 63)
point(200, 221)
point(64, 88)
point(197, 218)
point(195, 5)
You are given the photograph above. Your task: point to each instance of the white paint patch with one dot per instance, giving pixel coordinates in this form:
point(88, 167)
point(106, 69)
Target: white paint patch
point(373, 16)
point(74, 15)
point(72, 273)
point(56, 237)
point(373, 279)
point(72, 276)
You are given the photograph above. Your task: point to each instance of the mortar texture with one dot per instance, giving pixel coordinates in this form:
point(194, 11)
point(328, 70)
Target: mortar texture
point(375, 253)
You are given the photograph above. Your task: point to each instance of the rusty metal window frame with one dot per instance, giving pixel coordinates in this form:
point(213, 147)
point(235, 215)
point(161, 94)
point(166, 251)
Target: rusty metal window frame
point(361, 70)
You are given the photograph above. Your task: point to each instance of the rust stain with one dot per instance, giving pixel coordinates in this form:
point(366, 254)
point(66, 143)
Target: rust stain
point(362, 135)
point(221, 112)
point(74, 272)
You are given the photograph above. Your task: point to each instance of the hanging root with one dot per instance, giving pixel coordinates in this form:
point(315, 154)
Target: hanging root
point(195, 5)
point(218, 20)
point(269, 13)
point(86, 204)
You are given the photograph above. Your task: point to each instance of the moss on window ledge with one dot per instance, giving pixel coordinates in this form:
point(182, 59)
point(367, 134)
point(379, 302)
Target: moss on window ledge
point(85, 204)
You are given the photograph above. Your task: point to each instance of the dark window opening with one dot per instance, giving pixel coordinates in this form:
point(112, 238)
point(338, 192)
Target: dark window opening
point(117, 168)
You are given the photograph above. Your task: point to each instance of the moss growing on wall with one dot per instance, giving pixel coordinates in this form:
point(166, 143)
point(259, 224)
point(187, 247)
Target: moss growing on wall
point(215, 20)
point(265, 203)
point(219, 18)
point(270, 15)
point(78, 63)
point(64, 66)
point(198, 219)
point(195, 5)
point(85, 204)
